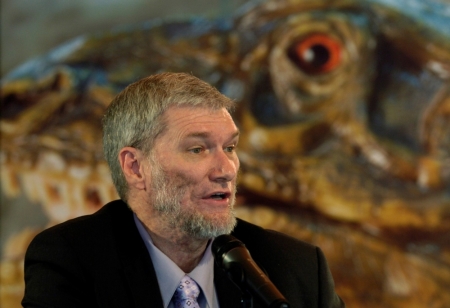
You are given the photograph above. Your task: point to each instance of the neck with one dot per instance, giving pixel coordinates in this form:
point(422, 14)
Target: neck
point(183, 250)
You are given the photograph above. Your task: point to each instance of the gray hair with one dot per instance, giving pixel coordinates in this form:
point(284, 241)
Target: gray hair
point(134, 117)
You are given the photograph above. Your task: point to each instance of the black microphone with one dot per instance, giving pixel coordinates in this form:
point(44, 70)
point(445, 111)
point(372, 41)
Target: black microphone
point(233, 257)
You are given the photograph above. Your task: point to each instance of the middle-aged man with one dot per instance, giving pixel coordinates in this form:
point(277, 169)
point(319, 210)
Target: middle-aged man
point(171, 145)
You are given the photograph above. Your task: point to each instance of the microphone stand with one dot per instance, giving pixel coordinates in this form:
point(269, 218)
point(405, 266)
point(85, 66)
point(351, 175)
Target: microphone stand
point(247, 299)
point(231, 255)
point(237, 275)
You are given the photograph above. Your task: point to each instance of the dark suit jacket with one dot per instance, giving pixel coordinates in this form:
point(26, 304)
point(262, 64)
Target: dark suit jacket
point(100, 260)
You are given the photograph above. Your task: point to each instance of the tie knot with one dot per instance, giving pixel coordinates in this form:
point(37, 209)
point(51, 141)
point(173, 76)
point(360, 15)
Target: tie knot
point(186, 294)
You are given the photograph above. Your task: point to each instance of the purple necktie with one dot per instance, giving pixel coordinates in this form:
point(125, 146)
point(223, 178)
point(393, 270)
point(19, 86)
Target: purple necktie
point(186, 294)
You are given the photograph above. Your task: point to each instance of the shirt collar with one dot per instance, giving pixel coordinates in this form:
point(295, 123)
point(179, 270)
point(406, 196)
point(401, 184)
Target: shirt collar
point(169, 274)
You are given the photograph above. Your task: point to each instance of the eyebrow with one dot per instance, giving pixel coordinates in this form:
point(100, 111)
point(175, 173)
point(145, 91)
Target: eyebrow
point(207, 134)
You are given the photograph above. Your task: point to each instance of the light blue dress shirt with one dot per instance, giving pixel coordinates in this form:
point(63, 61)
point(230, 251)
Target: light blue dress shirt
point(169, 274)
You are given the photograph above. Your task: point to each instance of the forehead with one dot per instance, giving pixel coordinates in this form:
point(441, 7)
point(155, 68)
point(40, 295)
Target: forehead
point(190, 120)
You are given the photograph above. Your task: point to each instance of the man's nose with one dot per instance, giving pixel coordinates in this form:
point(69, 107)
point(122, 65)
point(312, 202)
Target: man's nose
point(225, 167)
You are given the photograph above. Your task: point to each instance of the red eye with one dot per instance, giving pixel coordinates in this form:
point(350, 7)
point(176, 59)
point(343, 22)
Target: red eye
point(317, 53)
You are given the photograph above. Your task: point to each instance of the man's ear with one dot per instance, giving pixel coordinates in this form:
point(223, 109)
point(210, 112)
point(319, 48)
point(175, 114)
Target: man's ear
point(131, 160)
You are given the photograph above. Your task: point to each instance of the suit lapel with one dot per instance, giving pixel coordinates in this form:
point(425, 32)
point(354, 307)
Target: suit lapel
point(135, 260)
point(138, 268)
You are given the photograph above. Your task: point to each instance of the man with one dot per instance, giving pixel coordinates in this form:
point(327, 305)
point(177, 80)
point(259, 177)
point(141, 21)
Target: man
point(170, 142)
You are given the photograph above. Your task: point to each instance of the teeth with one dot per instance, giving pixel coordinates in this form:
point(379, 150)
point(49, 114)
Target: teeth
point(218, 196)
point(64, 189)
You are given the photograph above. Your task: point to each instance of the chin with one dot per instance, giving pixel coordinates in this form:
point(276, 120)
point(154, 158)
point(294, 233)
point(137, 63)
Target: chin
point(209, 226)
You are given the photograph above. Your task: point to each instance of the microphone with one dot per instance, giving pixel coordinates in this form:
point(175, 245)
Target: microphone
point(233, 257)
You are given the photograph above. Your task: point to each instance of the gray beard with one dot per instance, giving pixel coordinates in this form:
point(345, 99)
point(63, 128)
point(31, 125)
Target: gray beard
point(166, 199)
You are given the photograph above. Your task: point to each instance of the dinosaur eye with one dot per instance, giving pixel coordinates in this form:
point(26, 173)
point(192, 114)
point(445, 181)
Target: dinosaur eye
point(316, 54)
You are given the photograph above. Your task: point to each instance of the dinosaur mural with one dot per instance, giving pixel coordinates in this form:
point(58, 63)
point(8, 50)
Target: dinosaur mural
point(344, 112)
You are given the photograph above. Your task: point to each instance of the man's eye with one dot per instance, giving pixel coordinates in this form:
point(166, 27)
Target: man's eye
point(196, 150)
point(230, 148)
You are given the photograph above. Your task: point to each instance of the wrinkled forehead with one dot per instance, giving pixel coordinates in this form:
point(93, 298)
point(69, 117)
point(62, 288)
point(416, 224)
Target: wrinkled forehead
point(194, 114)
point(182, 120)
point(178, 111)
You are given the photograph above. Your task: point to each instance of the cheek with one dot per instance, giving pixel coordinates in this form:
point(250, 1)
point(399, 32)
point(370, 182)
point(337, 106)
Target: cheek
point(237, 165)
point(184, 178)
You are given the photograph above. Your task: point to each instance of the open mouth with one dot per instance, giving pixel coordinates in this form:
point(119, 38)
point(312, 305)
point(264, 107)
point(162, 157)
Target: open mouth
point(219, 196)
